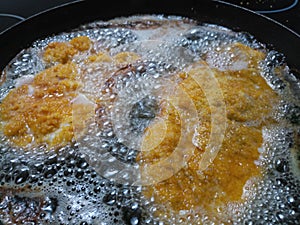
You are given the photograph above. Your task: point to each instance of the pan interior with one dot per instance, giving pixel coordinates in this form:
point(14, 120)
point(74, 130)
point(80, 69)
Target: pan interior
point(126, 72)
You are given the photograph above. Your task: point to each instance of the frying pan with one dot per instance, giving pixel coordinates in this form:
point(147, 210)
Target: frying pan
point(71, 15)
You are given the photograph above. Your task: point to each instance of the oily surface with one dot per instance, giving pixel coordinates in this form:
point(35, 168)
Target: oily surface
point(40, 112)
point(185, 110)
point(249, 101)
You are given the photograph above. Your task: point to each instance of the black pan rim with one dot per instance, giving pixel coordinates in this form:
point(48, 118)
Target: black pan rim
point(284, 34)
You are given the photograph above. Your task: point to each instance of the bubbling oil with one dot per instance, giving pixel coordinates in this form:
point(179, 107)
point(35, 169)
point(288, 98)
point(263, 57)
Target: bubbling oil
point(81, 183)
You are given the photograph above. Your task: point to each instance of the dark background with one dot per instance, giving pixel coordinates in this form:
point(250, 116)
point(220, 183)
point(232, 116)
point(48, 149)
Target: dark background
point(286, 12)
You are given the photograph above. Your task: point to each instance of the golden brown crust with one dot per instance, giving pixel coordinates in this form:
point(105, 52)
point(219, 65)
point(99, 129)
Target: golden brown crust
point(62, 52)
point(59, 52)
point(249, 104)
point(81, 43)
point(41, 112)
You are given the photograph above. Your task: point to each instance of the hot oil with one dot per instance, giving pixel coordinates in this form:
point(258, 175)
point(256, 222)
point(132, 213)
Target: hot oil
point(95, 179)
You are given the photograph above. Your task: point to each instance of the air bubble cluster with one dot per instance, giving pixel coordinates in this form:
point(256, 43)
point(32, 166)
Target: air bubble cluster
point(208, 37)
point(59, 188)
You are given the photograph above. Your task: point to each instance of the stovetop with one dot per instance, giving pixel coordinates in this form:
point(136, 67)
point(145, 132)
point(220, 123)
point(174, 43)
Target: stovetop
point(286, 12)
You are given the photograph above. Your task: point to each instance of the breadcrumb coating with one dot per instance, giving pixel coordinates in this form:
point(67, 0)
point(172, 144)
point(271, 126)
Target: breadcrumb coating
point(40, 113)
point(249, 103)
point(62, 52)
